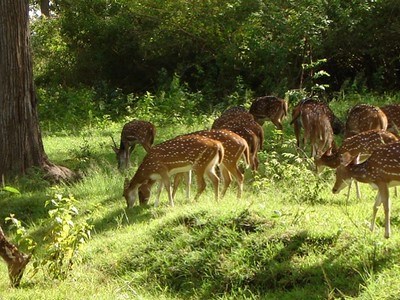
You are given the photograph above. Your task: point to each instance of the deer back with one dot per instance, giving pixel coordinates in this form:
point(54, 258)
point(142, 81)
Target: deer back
point(363, 117)
point(134, 132)
point(232, 115)
point(269, 108)
point(141, 132)
point(234, 145)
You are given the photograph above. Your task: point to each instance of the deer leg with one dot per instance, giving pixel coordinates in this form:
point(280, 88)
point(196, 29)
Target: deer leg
point(348, 191)
point(201, 185)
point(188, 176)
point(146, 147)
point(358, 190)
point(177, 181)
point(378, 201)
point(277, 124)
point(159, 189)
point(215, 181)
point(167, 184)
point(226, 178)
point(239, 179)
point(384, 191)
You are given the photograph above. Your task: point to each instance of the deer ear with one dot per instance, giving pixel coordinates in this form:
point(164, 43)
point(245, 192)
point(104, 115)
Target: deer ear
point(328, 152)
point(346, 159)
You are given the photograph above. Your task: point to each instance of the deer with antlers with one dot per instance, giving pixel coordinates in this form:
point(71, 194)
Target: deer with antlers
point(363, 117)
point(181, 154)
point(134, 132)
point(269, 108)
point(381, 170)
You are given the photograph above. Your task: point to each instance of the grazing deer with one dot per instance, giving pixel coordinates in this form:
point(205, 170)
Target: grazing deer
point(177, 155)
point(381, 170)
point(244, 125)
point(134, 132)
point(269, 108)
point(311, 105)
point(392, 112)
point(360, 145)
point(363, 117)
point(234, 148)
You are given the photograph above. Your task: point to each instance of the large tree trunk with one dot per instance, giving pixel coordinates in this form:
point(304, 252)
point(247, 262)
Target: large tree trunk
point(21, 144)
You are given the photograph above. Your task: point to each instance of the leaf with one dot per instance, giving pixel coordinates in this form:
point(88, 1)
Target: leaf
point(11, 190)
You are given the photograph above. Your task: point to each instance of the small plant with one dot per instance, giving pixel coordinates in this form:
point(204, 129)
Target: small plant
point(65, 236)
point(22, 238)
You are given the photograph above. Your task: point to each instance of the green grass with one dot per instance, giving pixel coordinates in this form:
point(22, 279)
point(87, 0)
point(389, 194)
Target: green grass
point(289, 237)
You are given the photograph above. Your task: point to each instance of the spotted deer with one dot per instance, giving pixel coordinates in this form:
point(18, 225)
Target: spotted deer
point(269, 108)
point(381, 170)
point(360, 145)
point(181, 154)
point(392, 112)
point(244, 125)
point(235, 147)
point(310, 105)
point(363, 117)
point(16, 260)
point(134, 132)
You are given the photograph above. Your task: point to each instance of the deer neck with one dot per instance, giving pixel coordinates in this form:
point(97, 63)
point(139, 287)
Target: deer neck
point(362, 172)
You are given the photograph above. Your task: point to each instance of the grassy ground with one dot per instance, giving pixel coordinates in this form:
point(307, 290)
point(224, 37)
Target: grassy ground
point(289, 237)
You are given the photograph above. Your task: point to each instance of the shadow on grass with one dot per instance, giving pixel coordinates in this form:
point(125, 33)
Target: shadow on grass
point(242, 259)
point(26, 208)
point(122, 217)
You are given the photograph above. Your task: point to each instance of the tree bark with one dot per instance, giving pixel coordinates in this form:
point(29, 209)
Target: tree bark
point(21, 144)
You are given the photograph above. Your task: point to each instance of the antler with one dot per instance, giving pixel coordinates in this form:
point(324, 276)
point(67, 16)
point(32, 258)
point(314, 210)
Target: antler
point(115, 144)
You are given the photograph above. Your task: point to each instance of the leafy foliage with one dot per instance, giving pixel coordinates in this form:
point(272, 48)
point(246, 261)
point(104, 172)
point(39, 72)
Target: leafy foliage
point(144, 46)
point(65, 237)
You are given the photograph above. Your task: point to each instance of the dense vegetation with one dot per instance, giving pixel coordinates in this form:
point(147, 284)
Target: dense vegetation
point(217, 47)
